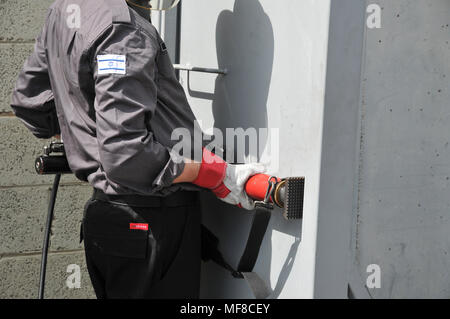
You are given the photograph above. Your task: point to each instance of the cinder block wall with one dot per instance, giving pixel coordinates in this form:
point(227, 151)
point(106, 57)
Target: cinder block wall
point(24, 195)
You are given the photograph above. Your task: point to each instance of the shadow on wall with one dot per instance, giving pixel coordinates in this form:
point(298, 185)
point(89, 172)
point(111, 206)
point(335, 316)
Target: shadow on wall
point(245, 47)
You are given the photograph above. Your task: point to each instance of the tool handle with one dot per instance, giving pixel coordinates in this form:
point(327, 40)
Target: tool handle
point(52, 165)
point(256, 186)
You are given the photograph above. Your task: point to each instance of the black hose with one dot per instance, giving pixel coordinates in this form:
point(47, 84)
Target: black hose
point(48, 226)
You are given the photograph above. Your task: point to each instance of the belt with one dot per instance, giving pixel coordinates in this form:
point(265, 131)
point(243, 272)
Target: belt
point(179, 198)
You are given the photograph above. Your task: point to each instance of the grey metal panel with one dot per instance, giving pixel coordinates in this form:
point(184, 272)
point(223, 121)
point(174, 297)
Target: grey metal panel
point(340, 137)
point(276, 57)
point(170, 31)
point(404, 181)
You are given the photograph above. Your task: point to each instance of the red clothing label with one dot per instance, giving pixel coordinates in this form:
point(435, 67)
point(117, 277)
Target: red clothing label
point(139, 226)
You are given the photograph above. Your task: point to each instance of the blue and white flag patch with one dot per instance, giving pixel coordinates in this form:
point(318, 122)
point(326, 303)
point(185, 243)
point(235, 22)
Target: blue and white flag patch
point(112, 64)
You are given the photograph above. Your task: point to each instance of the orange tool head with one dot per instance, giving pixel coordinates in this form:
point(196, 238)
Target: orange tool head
point(286, 193)
point(257, 185)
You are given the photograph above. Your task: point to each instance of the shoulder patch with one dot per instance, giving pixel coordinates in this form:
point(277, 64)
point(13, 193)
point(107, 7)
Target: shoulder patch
point(112, 64)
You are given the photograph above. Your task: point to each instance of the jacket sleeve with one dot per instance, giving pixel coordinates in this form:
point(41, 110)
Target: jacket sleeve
point(32, 99)
point(125, 100)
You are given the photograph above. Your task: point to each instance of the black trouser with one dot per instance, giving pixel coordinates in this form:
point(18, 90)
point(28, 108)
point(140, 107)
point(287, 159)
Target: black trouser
point(142, 246)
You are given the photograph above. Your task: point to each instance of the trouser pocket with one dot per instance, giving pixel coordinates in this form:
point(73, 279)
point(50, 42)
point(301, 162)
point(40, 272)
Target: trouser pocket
point(117, 230)
point(141, 252)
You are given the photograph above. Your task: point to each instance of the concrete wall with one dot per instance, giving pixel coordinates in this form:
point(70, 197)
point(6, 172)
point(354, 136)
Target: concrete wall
point(23, 194)
point(402, 202)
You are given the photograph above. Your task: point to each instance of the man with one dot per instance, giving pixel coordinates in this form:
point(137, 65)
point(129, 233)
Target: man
point(107, 85)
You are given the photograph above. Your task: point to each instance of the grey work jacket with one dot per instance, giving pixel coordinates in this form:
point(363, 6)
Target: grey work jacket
point(109, 87)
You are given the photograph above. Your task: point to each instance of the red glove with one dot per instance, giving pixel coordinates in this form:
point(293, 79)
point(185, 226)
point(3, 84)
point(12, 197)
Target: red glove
point(226, 181)
point(212, 173)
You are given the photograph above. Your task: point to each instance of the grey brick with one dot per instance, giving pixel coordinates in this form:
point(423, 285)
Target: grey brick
point(19, 277)
point(68, 215)
point(22, 20)
point(13, 58)
point(23, 218)
point(19, 149)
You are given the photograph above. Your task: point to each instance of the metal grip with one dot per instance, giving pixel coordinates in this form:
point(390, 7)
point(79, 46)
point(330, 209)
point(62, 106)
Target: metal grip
point(55, 164)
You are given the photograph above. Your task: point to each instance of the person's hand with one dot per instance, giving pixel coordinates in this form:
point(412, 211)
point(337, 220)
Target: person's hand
point(57, 136)
point(232, 190)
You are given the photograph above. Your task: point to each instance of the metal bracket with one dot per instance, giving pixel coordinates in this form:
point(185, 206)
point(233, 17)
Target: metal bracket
point(269, 193)
point(190, 68)
point(54, 147)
